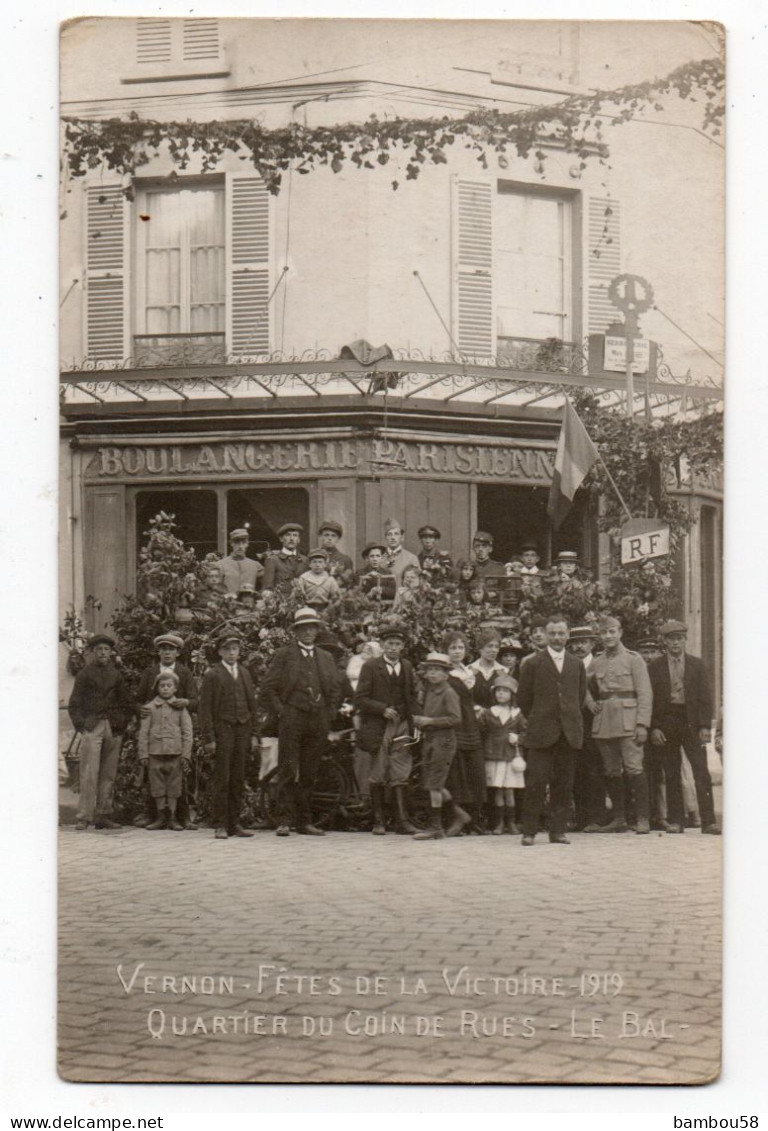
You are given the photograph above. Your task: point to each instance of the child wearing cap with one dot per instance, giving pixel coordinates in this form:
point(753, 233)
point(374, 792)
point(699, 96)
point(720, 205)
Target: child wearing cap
point(374, 579)
point(500, 726)
point(165, 741)
point(316, 587)
point(440, 720)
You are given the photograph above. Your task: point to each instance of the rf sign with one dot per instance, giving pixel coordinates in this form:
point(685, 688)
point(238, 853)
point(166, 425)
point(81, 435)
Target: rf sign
point(643, 538)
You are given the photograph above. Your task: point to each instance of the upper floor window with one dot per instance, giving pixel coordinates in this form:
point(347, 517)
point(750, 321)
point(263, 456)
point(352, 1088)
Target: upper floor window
point(181, 275)
point(533, 266)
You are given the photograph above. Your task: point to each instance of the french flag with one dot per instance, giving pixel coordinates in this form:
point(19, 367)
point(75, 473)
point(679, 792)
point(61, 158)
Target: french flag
point(576, 454)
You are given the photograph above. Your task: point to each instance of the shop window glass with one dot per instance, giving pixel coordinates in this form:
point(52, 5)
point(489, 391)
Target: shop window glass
point(195, 514)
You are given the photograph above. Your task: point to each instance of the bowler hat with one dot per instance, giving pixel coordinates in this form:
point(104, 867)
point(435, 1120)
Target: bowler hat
point(304, 616)
point(426, 531)
point(437, 660)
point(101, 639)
point(169, 638)
point(287, 527)
point(329, 524)
point(672, 627)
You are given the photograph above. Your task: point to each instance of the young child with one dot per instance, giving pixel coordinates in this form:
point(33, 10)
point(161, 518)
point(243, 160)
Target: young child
point(410, 593)
point(440, 720)
point(165, 741)
point(316, 587)
point(500, 726)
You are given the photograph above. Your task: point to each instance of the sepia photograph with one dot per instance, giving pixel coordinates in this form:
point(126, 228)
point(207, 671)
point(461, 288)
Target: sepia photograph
point(391, 515)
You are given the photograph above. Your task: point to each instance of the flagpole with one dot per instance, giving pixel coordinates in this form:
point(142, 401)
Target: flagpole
point(616, 489)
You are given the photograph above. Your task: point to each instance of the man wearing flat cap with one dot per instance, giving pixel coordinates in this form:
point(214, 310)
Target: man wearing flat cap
point(227, 724)
point(434, 561)
point(340, 565)
point(485, 565)
point(167, 647)
point(99, 708)
point(682, 717)
point(237, 568)
point(286, 564)
point(302, 689)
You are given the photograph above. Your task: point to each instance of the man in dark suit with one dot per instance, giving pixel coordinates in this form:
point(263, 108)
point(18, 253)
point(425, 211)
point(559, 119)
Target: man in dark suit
point(552, 694)
point(302, 690)
point(284, 566)
point(168, 647)
point(227, 722)
point(386, 700)
point(682, 717)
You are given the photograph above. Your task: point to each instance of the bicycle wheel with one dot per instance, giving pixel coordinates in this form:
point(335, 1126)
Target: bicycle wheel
point(331, 787)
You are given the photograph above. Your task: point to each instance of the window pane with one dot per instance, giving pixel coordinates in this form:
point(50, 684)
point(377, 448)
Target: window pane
point(195, 514)
point(532, 263)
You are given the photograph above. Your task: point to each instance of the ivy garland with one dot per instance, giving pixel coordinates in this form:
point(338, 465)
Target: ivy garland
point(576, 124)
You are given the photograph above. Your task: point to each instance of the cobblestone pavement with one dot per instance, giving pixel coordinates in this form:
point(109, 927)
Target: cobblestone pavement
point(639, 914)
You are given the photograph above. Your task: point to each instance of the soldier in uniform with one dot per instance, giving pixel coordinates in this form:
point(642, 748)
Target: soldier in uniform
point(622, 700)
point(485, 565)
point(287, 563)
point(434, 561)
point(237, 569)
point(340, 565)
point(397, 556)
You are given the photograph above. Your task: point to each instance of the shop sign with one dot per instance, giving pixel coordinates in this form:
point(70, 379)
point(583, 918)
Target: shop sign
point(616, 355)
point(369, 458)
point(643, 538)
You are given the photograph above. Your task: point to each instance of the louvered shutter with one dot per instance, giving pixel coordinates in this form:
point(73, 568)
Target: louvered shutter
point(248, 239)
point(200, 39)
point(473, 314)
point(153, 41)
point(604, 260)
point(106, 274)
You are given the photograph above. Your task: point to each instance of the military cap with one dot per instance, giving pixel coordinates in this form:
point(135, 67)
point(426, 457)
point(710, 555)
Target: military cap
point(426, 531)
point(169, 638)
point(227, 635)
point(482, 536)
point(373, 546)
point(392, 524)
point(287, 527)
point(318, 552)
point(389, 630)
point(329, 524)
point(241, 532)
point(583, 632)
point(100, 639)
point(673, 627)
point(608, 622)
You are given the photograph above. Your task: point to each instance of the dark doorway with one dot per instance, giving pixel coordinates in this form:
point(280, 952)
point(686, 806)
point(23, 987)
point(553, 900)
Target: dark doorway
point(194, 512)
point(514, 515)
point(263, 510)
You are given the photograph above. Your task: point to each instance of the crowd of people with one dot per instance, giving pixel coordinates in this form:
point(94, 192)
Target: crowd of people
point(574, 732)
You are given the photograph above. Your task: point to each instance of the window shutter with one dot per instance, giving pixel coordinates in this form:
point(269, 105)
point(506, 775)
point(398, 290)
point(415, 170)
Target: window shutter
point(604, 259)
point(106, 273)
point(248, 316)
point(473, 316)
point(201, 39)
point(153, 41)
